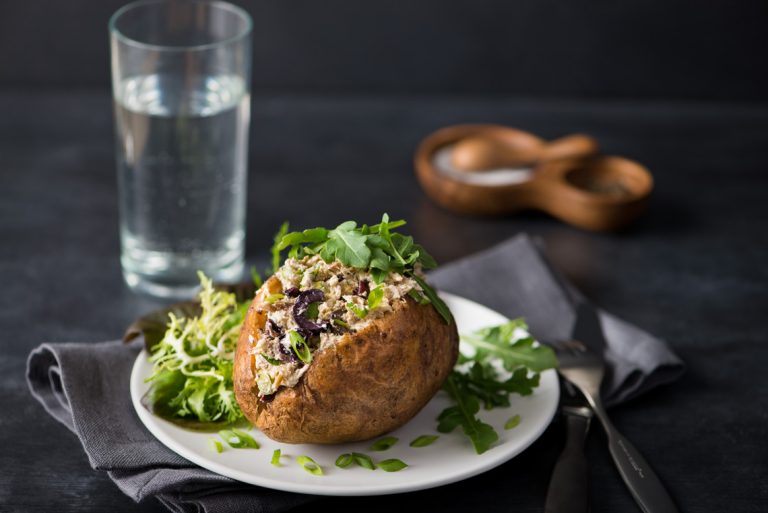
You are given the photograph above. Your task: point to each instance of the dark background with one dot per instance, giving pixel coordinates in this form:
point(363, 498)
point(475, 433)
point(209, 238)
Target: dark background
point(663, 49)
point(344, 90)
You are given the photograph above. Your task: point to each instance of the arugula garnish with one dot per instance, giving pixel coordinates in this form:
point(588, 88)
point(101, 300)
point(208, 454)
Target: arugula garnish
point(275, 248)
point(476, 381)
point(464, 414)
point(500, 342)
point(377, 249)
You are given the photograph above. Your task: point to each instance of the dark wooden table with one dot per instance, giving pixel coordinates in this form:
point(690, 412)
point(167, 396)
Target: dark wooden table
point(693, 271)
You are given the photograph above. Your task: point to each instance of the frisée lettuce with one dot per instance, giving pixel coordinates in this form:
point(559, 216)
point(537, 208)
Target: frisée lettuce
point(192, 375)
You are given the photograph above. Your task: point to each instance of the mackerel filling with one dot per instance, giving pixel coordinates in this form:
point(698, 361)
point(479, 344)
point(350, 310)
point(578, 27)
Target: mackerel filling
point(294, 316)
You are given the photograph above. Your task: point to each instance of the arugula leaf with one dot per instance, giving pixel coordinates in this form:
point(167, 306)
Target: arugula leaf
point(480, 382)
point(499, 342)
point(258, 281)
point(349, 246)
point(464, 414)
point(276, 246)
point(483, 382)
point(438, 303)
point(418, 297)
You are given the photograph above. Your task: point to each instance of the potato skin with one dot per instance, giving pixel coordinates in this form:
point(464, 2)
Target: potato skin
point(368, 383)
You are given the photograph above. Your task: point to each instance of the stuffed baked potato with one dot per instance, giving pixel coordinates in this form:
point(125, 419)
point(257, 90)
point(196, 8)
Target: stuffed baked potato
point(326, 355)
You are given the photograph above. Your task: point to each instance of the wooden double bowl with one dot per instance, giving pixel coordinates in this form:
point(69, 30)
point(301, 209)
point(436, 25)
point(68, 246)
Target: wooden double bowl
point(495, 170)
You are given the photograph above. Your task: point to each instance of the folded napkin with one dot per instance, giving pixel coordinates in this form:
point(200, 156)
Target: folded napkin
point(515, 279)
point(85, 386)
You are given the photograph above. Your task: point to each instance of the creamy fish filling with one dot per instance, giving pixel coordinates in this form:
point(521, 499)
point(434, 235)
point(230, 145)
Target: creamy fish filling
point(319, 304)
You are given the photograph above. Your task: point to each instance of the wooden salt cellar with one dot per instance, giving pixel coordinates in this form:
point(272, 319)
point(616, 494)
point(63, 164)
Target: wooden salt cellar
point(568, 180)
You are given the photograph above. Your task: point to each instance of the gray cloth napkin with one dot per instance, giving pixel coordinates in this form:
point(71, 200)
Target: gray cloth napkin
point(515, 279)
point(85, 386)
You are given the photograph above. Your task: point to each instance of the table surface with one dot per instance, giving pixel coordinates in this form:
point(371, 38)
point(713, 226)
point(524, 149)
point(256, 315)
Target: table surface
point(692, 271)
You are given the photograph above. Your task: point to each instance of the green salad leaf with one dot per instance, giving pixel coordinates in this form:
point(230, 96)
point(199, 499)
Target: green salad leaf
point(192, 374)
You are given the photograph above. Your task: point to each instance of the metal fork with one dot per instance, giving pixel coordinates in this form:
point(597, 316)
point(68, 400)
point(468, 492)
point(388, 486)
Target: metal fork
point(585, 369)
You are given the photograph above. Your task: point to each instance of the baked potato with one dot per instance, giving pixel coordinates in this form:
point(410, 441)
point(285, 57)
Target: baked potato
point(318, 362)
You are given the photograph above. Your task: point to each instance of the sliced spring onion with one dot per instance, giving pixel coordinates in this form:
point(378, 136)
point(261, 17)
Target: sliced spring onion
point(392, 465)
point(344, 460)
point(276, 458)
point(216, 445)
point(274, 298)
point(384, 443)
point(310, 465)
point(270, 360)
point(375, 296)
point(363, 460)
point(512, 423)
point(339, 322)
point(238, 439)
point(357, 310)
point(300, 347)
point(424, 440)
point(312, 311)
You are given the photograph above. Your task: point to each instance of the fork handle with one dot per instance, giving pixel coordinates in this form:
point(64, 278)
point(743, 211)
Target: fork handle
point(568, 492)
point(641, 480)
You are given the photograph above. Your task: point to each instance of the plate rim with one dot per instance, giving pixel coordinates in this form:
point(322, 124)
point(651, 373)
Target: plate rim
point(154, 423)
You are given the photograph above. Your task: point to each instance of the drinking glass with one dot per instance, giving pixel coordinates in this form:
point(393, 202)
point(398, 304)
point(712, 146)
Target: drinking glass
point(181, 87)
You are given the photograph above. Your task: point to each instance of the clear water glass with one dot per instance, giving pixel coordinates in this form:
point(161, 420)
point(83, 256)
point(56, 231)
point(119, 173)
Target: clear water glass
point(181, 87)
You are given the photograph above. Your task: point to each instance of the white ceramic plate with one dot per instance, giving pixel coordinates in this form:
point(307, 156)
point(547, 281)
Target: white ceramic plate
point(451, 458)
